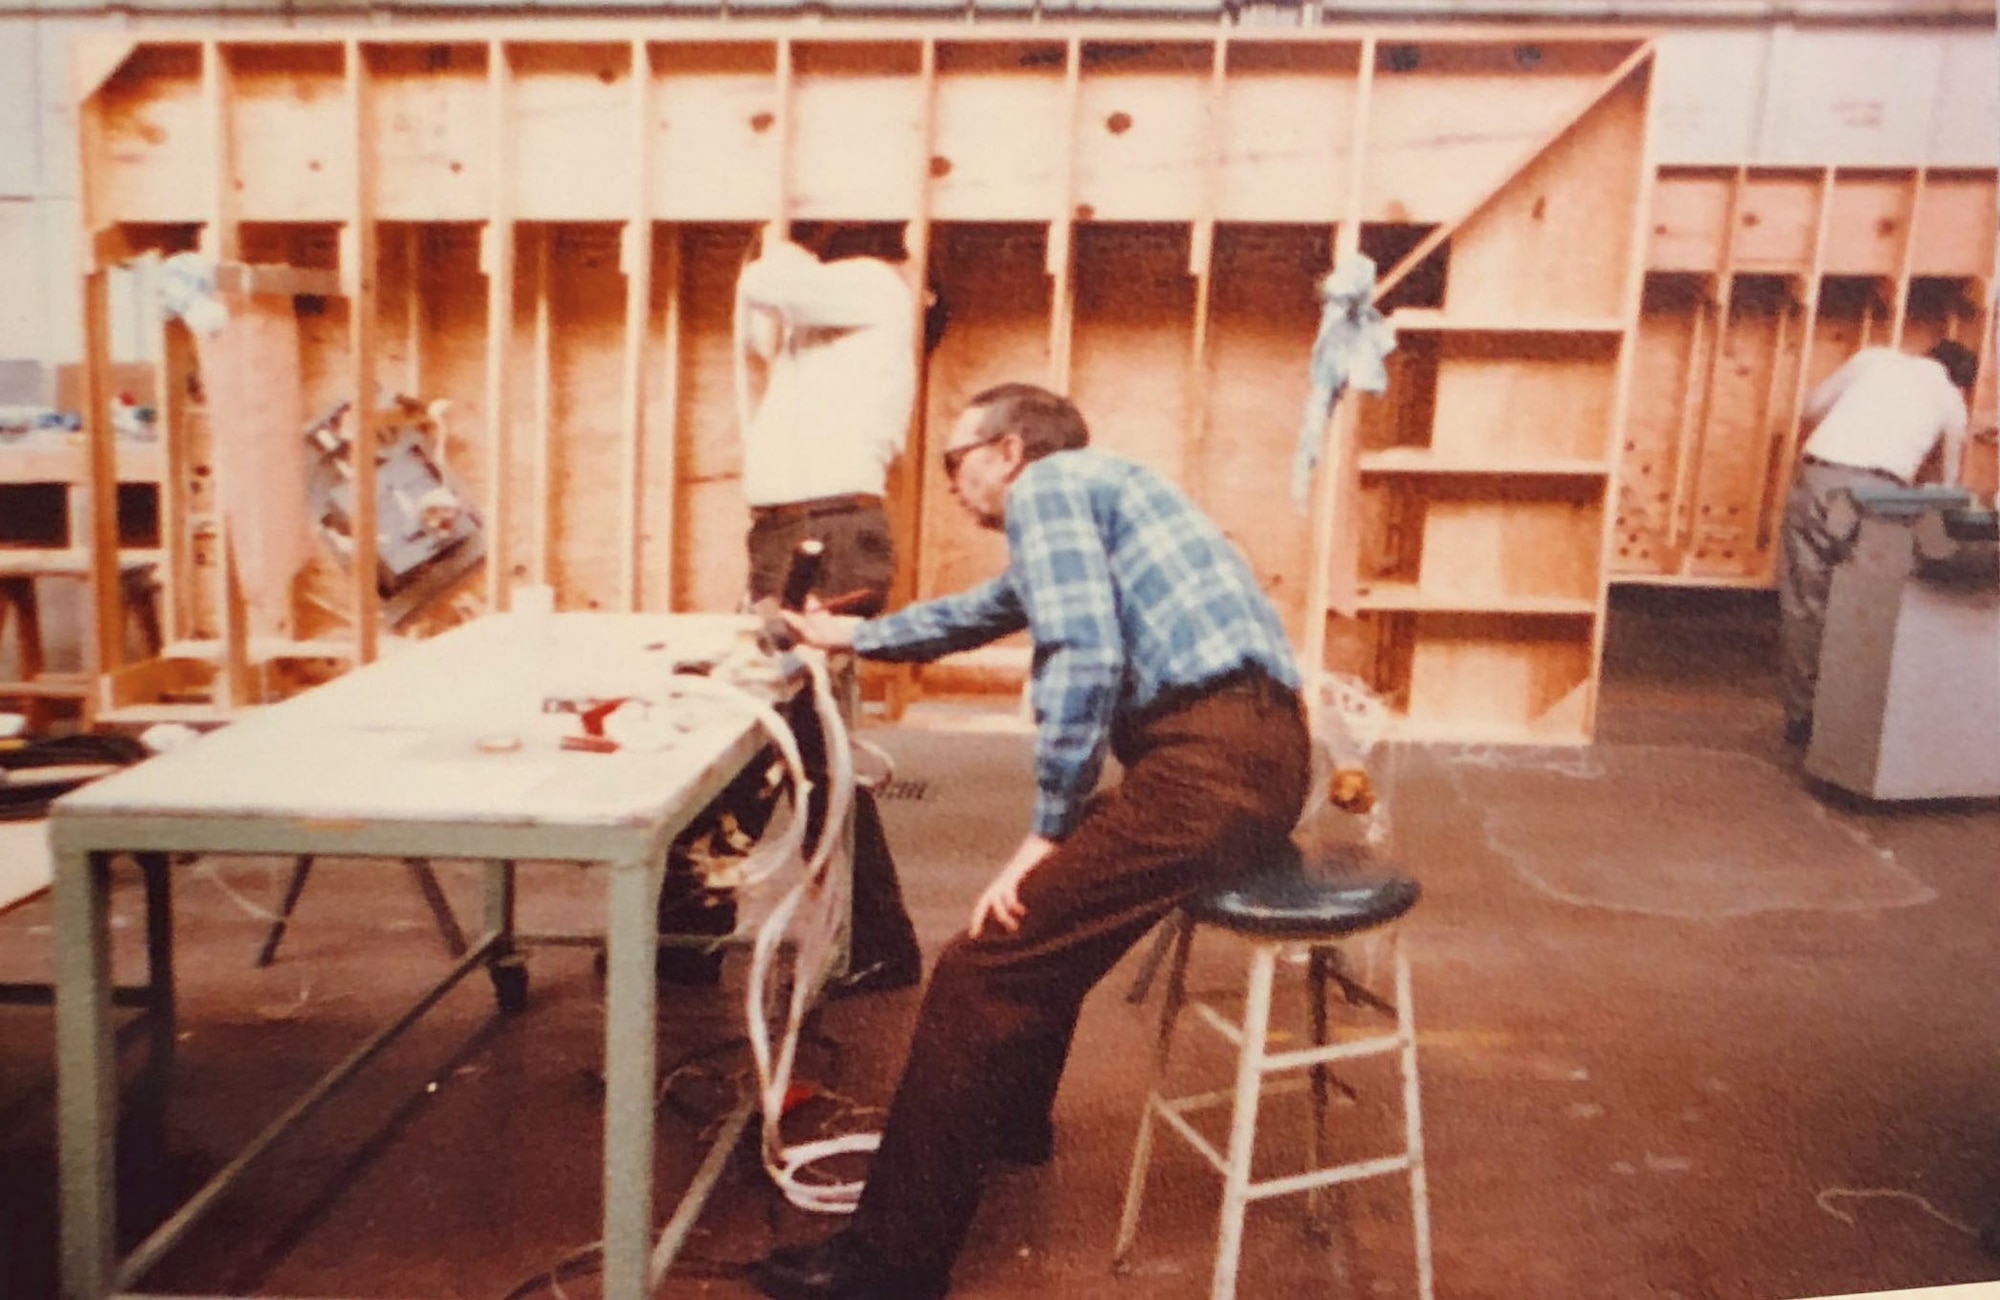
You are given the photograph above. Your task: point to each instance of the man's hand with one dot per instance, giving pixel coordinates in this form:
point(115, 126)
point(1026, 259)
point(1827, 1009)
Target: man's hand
point(1001, 903)
point(821, 629)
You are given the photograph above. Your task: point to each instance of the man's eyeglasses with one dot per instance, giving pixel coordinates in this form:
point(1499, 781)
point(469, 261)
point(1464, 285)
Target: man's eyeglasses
point(955, 456)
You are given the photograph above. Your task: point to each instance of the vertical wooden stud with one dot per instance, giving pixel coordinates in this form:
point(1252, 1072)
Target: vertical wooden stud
point(1694, 426)
point(107, 640)
point(787, 130)
point(1788, 433)
point(636, 256)
point(1061, 262)
point(105, 645)
point(496, 260)
point(413, 312)
point(221, 240)
point(1631, 295)
point(1201, 256)
point(906, 488)
point(1331, 579)
point(540, 478)
point(665, 512)
point(358, 266)
point(1900, 312)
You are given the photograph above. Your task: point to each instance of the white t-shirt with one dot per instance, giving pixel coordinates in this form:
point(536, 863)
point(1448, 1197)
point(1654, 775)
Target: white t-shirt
point(838, 340)
point(1885, 410)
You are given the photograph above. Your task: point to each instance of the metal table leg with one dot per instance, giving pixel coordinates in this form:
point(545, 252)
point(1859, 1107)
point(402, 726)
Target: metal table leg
point(86, 1073)
point(629, 1063)
point(509, 971)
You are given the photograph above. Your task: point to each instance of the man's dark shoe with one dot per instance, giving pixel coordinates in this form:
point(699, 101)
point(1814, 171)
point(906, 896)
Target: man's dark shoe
point(878, 977)
point(839, 1268)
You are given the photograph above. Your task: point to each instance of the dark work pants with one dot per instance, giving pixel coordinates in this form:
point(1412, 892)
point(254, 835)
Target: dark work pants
point(1809, 554)
point(858, 557)
point(1209, 790)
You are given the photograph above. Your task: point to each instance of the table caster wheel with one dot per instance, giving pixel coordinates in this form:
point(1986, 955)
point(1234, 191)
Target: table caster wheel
point(510, 984)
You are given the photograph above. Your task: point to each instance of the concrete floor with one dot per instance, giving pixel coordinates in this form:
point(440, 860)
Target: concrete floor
point(1687, 1030)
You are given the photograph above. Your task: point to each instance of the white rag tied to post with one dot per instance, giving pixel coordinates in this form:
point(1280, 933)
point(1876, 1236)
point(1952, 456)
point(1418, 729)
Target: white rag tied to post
point(1354, 337)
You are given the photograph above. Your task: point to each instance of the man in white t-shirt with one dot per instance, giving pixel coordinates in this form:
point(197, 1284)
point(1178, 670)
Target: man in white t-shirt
point(1884, 417)
point(826, 337)
point(827, 326)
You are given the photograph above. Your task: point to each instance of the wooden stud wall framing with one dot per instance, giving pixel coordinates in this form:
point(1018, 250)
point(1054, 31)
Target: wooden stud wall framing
point(1759, 283)
point(543, 229)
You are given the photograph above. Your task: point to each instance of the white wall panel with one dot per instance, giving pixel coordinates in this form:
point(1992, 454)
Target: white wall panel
point(23, 283)
point(1965, 131)
point(1708, 95)
point(1853, 98)
point(20, 136)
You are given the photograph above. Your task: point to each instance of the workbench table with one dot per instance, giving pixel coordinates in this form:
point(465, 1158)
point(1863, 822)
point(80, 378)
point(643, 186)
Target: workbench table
point(394, 761)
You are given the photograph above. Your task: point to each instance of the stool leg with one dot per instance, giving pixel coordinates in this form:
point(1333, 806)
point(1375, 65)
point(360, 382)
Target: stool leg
point(1243, 1120)
point(1420, 1212)
point(296, 886)
point(1182, 938)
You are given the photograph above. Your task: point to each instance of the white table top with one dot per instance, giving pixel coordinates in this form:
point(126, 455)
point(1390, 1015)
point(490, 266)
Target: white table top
point(408, 738)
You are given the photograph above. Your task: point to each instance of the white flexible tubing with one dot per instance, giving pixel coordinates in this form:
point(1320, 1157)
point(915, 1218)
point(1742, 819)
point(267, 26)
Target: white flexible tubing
point(786, 1163)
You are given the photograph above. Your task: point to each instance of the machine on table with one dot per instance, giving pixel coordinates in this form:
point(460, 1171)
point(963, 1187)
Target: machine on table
point(1908, 703)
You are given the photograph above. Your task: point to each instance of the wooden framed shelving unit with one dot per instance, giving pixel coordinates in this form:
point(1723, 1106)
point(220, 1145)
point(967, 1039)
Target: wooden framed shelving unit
point(1760, 282)
point(543, 227)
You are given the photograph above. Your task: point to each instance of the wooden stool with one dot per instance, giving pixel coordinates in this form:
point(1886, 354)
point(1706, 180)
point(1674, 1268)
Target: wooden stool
point(1282, 910)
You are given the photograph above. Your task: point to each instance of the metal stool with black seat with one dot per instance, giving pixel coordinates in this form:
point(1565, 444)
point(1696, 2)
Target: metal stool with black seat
point(1284, 908)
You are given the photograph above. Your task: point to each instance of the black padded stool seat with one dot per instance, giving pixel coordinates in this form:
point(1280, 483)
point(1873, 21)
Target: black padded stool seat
point(1289, 900)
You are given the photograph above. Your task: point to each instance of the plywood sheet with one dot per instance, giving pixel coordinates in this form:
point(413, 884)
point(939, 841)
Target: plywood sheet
point(588, 331)
point(1494, 540)
point(291, 137)
point(1777, 222)
point(1668, 365)
point(710, 566)
point(991, 278)
point(432, 142)
point(1133, 341)
point(715, 123)
point(858, 111)
point(1002, 127)
point(1142, 140)
point(1509, 399)
point(1542, 248)
point(1869, 223)
point(157, 159)
point(1253, 385)
point(1749, 417)
point(1690, 219)
point(1470, 672)
point(1284, 132)
point(570, 128)
point(1425, 163)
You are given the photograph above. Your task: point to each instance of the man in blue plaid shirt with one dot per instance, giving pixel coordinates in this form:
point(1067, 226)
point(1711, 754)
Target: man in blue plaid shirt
point(1151, 641)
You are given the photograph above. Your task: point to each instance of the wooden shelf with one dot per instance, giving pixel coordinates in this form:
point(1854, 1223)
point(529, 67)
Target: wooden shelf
point(1399, 597)
point(47, 460)
point(1412, 460)
point(262, 649)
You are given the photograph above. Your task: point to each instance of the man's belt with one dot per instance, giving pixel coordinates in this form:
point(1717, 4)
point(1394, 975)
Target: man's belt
point(784, 510)
point(1871, 470)
point(1247, 678)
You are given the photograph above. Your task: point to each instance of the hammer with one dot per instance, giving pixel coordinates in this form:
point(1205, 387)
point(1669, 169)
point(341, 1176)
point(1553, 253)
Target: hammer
point(801, 573)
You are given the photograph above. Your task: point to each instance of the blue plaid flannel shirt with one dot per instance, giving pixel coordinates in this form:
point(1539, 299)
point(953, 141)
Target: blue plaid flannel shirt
point(1127, 590)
